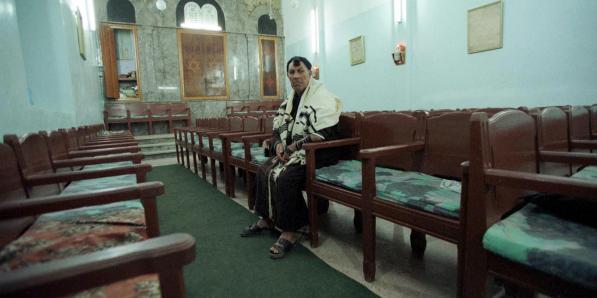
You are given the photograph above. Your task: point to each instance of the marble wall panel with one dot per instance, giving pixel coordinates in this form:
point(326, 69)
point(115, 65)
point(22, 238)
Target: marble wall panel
point(159, 56)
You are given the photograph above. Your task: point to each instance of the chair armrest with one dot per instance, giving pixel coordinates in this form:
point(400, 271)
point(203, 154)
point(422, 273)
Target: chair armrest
point(108, 146)
point(331, 144)
point(373, 153)
point(583, 144)
point(36, 206)
point(163, 255)
point(568, 157)
point(134, 157)
point(542, 183)
point(39, 179)
point(237, 136)
point(256, 138)
point(95, 152)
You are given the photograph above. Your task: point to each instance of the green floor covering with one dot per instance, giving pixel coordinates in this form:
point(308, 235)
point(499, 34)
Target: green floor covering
point(228, 265)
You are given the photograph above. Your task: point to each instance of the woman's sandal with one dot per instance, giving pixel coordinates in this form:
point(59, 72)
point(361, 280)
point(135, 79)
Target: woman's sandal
point(253, 230)
point(282, 246)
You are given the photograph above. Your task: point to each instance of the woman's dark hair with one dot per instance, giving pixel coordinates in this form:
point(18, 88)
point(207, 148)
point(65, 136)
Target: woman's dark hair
point(296, 61)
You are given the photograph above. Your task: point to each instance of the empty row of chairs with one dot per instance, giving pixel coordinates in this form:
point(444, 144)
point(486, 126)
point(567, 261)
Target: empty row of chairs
point(146, 113)
point(76, 214)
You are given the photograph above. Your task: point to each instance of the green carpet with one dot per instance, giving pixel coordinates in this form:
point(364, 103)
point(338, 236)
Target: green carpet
point(228, 265)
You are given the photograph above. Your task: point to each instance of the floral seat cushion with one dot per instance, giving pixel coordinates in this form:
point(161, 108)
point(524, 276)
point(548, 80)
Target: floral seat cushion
point(541, 238)
point(53, 239)
point(412, 189)
point(587, 173)
point(126, 212)
point(257, 155)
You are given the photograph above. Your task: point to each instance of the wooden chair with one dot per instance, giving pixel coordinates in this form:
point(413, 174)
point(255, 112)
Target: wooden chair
point(164, 255)
point(215, 150)
point(501, 232)
point(160, 112)
point(139, 113)
point(180, 111)
point(116, 114)
point(39, 178)
point(199, 142)
point(359, 132)
point(232, 142)
point(428, 199)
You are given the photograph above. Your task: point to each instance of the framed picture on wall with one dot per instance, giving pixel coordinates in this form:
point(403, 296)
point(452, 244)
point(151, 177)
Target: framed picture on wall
point(203, 66)
point(485, 27)
point(356, 46)
point(80, 33)
point(268, 78)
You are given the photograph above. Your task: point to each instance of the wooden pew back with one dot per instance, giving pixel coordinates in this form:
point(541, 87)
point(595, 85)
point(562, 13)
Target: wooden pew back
point(11, 189)
point(389, 128)
point(446, 144)
point(510, 146)
point(32, 155)
point(552, 135)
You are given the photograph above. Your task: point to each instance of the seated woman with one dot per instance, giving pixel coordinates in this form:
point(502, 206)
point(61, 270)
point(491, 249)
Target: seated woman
point(311, 114)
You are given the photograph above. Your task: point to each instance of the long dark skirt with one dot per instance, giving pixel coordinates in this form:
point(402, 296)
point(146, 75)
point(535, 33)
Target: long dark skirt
point(289, 211)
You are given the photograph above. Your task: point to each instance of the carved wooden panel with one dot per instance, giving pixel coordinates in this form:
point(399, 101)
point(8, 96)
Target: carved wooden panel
point(268, 65)
point(202, 64)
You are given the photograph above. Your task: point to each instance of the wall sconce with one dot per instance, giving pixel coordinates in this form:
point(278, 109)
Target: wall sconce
point(399, 54)
point(399, 11)
point(161, 5)
point(315, 72)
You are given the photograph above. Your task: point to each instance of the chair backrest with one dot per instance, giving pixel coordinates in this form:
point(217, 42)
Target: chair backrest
point(235, 123)
point(349, 125)
point(220, 123)
point(138, 109)
point(267, 124)
point(32, 155)
point(57, 145)
point(511, 146)
point(251, 124)
point(70, 136)
point(579, 123)
point(11, 189)
point(180, 108)
point(384, 129)
point(159, 109)
point(115, 110)
point(81, 136)
point(202, 122)
point(446, 144)
point(552, 135)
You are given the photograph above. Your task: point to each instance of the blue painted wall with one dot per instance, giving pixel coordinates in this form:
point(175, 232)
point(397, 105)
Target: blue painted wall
point(547, 58)
point(49, 85)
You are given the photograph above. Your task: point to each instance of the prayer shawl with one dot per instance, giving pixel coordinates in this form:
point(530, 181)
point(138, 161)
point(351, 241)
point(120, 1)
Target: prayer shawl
point(318, 109)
